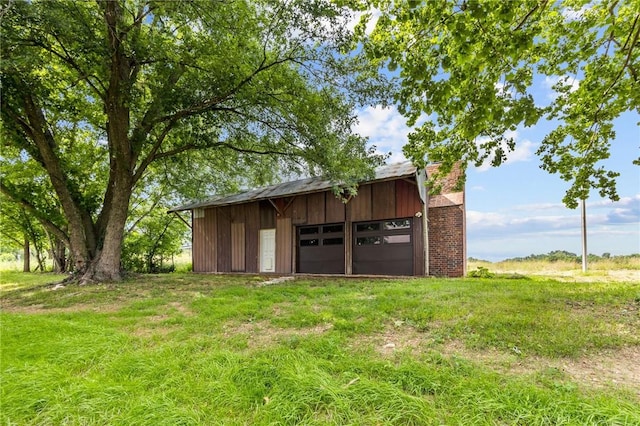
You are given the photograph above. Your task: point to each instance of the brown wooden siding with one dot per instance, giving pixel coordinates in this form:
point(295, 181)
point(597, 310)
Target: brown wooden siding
point(407, 199)
point(383, 200)
point(315, 208)
point(204, 246)
point(284, 245)
point(298, 210)
point(237, 212)
point(237, 247)
point(198, 243)
point(267, 215)
point(359, 208)
point(348, 247)
point(224, 239)
point(252, 236)
point(211, 226)
point(283, 205)
point(334, 208)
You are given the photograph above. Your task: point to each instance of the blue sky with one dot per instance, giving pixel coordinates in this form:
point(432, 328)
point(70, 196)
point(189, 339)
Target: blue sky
point(517, 210)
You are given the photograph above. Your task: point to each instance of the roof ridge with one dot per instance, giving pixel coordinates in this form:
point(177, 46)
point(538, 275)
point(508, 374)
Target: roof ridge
point(297, 187)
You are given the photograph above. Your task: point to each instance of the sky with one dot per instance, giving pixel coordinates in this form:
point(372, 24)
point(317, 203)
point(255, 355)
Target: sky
point(516, 209)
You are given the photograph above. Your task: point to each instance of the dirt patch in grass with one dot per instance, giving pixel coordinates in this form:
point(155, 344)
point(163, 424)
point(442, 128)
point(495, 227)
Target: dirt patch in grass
point(148, 332)
point(280, 309)
point(261, 334)
point(614, 367)
point(610, 368)
point(397, 337)
point(79, 307)
point(152, 326)
point(181, 309)
point(617, 367)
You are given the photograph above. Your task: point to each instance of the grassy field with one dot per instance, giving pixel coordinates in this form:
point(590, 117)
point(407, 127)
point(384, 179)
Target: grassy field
point(603, 270)
point(206, 349)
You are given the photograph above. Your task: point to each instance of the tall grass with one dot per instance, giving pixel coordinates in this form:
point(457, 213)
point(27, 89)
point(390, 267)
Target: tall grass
point(538, 266)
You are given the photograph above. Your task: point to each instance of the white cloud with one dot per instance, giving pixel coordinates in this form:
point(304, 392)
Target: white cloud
point(500, 224)
point(386, 129)
point(615, 240)
point(550, 82)
point(502, 91)
point(515, 222)
point(539, 228)
point(371, 23)
point(600, 204)
point(570, 14)
point(523, 151)
point(485, 219)
point(538, 206)
point(622, 202)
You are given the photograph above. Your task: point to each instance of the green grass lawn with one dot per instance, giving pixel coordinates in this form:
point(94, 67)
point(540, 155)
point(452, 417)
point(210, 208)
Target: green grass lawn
point(208, 349)
point(14, 280)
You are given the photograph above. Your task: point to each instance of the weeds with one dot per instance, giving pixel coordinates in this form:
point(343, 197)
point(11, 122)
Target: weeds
point(481, 272)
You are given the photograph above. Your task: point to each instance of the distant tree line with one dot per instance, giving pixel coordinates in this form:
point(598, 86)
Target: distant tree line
point(567, 256)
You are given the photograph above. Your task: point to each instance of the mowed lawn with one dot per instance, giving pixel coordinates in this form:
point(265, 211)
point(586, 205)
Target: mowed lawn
point(187, 349)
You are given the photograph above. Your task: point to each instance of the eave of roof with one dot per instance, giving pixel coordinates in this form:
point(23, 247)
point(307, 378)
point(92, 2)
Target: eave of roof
point(298, 187)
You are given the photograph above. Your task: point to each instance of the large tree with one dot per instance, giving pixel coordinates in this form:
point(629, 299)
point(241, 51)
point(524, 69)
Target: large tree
point(96, 92)
point(470, 69)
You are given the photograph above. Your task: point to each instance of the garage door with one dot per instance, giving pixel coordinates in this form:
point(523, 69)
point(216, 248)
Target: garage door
point(383, 247)
point(321, 249)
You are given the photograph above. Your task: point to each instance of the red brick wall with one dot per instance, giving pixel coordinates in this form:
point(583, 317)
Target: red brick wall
point(447, 251)
point(449, 181)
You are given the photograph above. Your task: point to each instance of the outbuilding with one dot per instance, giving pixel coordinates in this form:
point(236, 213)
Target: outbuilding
point(391, 227)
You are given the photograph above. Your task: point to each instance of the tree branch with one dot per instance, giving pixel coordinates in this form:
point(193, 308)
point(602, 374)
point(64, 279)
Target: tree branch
point(147, 213)
point(633, 44)
point(144, 127)
point(79, 218)
point(152, 155)
point(208, 104)
point(10, 237)
point(252, 151)
point(42, 218)
point(628, 57)
point(540, 5)
point(196, 109)
point(141, 15)
point(68, 58)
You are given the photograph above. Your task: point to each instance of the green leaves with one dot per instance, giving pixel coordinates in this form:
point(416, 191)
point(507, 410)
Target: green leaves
point(470, 66)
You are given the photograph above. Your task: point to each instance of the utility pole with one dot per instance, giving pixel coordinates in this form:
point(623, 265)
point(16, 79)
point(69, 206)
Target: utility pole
point(584, 235)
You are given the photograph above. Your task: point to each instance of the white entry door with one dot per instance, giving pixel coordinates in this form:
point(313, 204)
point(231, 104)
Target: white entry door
point(267, 250)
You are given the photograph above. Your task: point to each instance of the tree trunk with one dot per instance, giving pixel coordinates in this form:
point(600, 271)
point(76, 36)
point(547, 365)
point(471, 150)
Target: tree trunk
point(105, 262)
point(39, 256)
point(26, 262)
point(58, 254)
point(106, 265)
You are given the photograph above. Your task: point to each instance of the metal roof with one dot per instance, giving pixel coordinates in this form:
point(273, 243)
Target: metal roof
point(298, 187)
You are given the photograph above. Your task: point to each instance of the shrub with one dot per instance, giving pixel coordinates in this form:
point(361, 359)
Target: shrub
point(481, 272)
